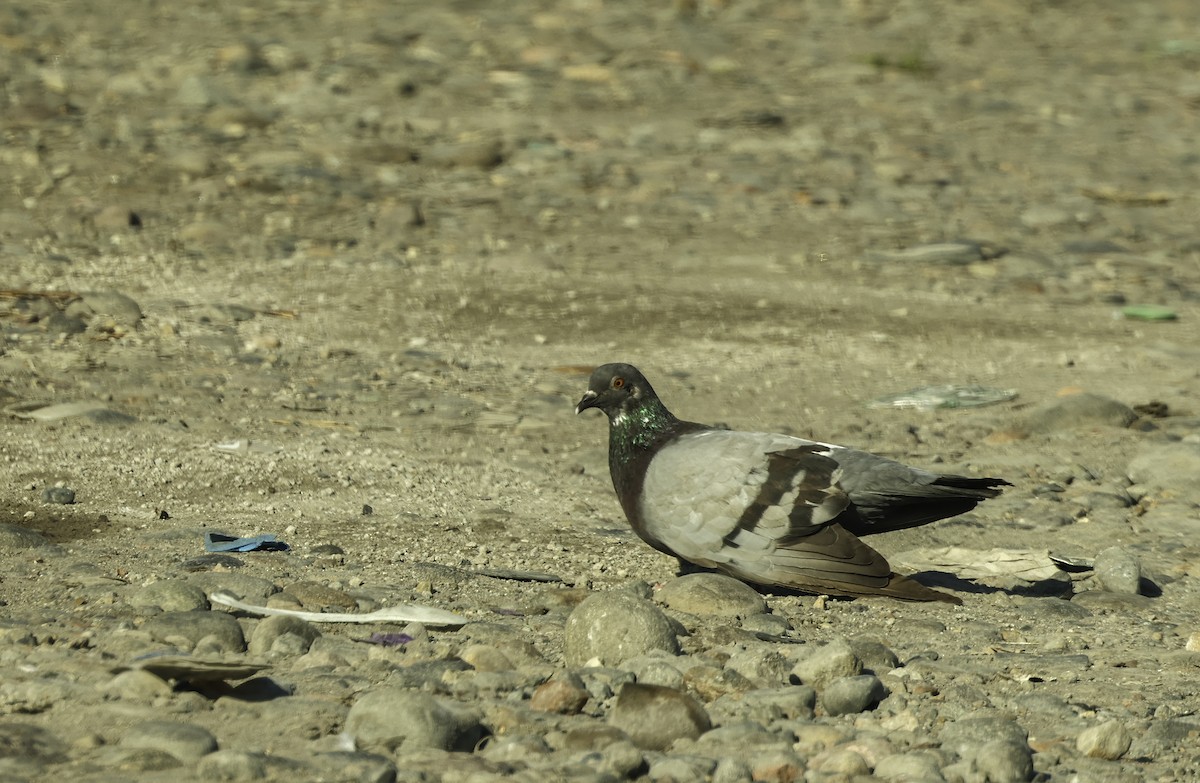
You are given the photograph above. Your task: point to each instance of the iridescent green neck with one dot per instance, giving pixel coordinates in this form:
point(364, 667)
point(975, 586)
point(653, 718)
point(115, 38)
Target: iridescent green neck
point(638, 428)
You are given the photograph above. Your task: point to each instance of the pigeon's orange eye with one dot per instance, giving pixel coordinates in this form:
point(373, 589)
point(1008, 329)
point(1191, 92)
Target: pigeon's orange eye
point(618, 383)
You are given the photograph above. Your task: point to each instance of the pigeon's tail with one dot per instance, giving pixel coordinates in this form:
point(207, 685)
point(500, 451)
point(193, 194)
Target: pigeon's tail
point(828, 561)
point(907, 589)
point(979, 488)
point(901, 506)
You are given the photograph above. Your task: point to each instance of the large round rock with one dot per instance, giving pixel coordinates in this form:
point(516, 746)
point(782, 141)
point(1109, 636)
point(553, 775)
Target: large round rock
point(614, 627)
point(388, 719)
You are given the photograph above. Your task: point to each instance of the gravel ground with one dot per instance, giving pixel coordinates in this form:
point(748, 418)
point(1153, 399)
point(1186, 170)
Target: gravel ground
point(338, 273)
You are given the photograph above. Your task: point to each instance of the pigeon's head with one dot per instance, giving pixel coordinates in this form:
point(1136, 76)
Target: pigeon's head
point(615, 389)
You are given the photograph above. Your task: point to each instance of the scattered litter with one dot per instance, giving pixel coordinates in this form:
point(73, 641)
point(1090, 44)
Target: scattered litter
point(1029, 565)
point(220, 542)
point(1114, 195)
point(1071, 563)
point(1149, 313)
point(927, 398)
point(62, 410)
point(244, 446)
point(387, 639)
point(191, 669)
point(519, 576)
point(401, 613)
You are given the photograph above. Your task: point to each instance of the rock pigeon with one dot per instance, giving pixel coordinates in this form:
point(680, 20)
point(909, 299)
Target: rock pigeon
point(769, 509)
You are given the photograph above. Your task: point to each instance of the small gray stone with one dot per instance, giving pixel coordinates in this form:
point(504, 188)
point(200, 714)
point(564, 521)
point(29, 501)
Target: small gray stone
point(847, 695)
point(1104, 602)
point(671, 769)
point(184, 741)
point(765, 706)
point(1074, 411)
point(1118, 571)
point(15, 537)
point(622, 758)
point(875, 656)
point(122, 309)
point(729, 770)
point(712, 594)
point(232, 766)
point(252, 589)
point(654, 717)
point(827, 663)
point(613, 627)
point(967, 735)
point(844, 761)
point(1042, 216)
point(63, 496)
point(906, 767)
point(656, 669)
point(355, 766)
point(1109, 740)
point(1171, 466)
point(514, 748)
point(137, 685)
point(767, 624)
point(1002, 761)
point(170, 595)
point(389, 719)
point(194, 626)
point(736, 737)
point(765, 667)
point(269, 632)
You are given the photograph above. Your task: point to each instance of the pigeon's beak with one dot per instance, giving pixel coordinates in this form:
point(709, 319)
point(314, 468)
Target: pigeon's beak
point(588, 401)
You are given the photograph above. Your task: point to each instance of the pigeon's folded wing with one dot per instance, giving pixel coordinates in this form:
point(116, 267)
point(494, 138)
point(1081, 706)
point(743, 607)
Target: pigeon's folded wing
point(761, 507)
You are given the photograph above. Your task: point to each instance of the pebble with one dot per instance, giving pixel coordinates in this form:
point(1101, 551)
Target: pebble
point(1109, 740)
point(766, 706)
point(827, 663)
point(14, 538)
point(1168, 466)
point(559, 695)
point(876, 657)
point(613, 627)
point(190, 628)
point(1073, 412)
point(943, 253)
point(654, 716)
point(316, 597)
point(911, 767)
point(1118, 571)
point(390, 719)
point(486, 658)
point(233, 766)
point(656, 669)
point(676, 769)
point(170, 595)
point(841, 762)
point(967, 736)
point(137, 685)
point(64, 496)
point(282, 633)
point(1004, 761)
point(184, 741)
point(712, 594)
point(249, 588)
point(846, 695)
point(123, 310)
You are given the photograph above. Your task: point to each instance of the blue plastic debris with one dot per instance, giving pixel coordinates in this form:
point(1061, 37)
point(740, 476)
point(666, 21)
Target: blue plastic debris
point(220, 542)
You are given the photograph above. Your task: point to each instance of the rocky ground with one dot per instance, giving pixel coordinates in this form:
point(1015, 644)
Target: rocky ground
point(337, 272)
